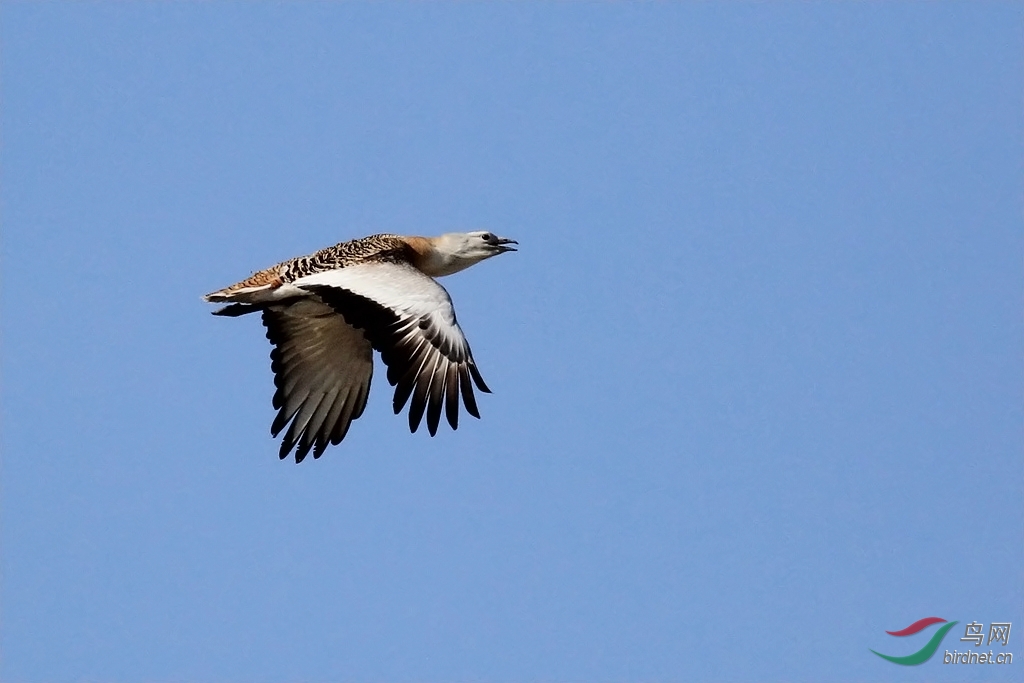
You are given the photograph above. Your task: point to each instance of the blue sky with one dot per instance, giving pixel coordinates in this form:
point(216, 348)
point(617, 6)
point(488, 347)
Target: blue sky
point(757, 366)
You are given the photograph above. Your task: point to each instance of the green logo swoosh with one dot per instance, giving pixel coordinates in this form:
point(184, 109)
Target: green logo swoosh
point(925, 653)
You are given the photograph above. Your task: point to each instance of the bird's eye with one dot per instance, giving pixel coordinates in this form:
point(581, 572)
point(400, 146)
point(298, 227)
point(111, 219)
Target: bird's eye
point(487, 237)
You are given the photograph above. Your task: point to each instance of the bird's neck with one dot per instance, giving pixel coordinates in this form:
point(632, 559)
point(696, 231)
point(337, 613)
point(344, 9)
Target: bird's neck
point(433, 257)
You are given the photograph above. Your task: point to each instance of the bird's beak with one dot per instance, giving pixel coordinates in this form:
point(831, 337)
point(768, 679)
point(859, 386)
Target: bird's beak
point(502, 244)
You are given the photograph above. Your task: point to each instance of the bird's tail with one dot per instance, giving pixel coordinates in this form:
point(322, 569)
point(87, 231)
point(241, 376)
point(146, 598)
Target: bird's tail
point(253, 289)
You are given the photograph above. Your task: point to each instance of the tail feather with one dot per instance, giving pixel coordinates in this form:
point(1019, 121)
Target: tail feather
point(245, 295)
point(217, 297)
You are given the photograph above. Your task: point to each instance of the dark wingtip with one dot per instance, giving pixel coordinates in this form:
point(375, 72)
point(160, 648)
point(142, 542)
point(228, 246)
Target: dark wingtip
point(235, 310)
point(434, 408)
point(402, 393)
point(300, 455)
point(276, 426)
point(451, 405)
point(415, 416)
point(467, 393)
point(287, 445)
point(477, 379)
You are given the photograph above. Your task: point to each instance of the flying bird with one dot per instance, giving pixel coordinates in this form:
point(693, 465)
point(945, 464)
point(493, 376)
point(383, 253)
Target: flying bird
point(326, 313)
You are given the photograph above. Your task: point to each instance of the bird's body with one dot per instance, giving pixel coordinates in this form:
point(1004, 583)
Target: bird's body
point(326, 313)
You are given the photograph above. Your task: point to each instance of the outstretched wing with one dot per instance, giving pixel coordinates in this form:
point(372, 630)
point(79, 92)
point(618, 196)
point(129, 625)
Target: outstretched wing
point(409, 318)
point(322, 369)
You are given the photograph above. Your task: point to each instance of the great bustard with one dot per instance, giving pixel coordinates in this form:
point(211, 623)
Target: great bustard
point(326, 313)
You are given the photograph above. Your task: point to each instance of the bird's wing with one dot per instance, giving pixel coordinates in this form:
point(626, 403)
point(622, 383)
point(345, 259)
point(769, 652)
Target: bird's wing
point(409, 318)
point(322, 369)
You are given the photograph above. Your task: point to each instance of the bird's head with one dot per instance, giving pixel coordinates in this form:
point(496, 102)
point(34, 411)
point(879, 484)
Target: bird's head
point(457, 251)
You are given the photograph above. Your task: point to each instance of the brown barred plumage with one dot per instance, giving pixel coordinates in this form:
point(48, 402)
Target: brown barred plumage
point(382, 247)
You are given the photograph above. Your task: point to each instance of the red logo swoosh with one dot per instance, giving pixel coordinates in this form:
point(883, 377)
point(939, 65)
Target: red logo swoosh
point(918, 625)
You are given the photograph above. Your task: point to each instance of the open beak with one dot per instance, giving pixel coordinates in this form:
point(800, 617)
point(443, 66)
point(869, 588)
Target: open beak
point(502, 244)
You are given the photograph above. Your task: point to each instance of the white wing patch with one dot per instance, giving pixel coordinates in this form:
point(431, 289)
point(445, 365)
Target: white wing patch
point(409, 319)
